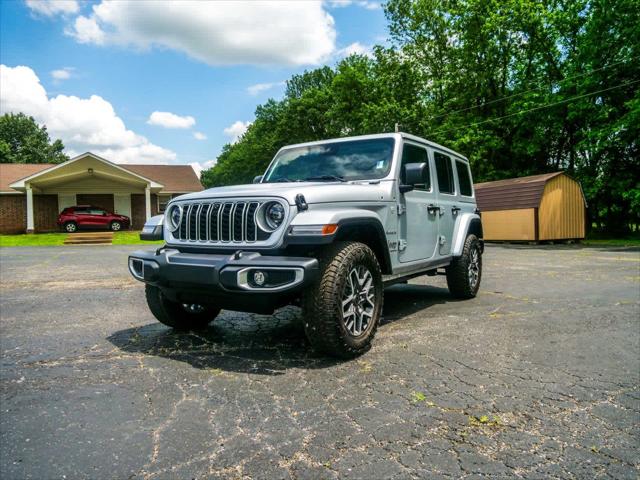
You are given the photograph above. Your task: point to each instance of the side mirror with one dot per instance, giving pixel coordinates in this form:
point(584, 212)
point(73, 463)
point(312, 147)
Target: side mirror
point(414, 174)
point(257, 179)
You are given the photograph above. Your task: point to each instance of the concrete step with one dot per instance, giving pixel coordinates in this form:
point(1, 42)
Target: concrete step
point(89, 238)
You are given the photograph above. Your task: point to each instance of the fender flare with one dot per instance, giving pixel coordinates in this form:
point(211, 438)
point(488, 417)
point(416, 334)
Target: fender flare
point(467, 222)
point(351, 220)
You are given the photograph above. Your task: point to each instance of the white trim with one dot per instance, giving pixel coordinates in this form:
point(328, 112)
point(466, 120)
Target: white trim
point(30, 221)
point(21, 183)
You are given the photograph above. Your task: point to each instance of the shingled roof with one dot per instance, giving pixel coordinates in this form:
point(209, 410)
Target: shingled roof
point(512, 193)
point(175, 178)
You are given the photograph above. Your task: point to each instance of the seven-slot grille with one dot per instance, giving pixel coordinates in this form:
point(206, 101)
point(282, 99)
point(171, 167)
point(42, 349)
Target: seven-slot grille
point(220, 222)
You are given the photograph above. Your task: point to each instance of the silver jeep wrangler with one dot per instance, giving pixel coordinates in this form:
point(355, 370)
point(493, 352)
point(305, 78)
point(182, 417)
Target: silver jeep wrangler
point(327, 227)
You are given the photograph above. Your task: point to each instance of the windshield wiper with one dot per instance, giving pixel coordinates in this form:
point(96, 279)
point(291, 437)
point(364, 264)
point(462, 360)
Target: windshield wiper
point(326, 178)
point(281, 180)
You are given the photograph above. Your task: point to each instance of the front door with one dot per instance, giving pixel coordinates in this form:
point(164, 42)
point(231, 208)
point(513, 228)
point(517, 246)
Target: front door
point(446, 201)
point(418, 225)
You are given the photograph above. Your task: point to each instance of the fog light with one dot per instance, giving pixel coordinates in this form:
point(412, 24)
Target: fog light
point(259, 278)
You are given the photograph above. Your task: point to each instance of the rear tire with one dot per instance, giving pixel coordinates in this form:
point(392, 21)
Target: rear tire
point(70, 227)
point(342, 309)
point(177, 315)
point(115, 226)
point(465, 272)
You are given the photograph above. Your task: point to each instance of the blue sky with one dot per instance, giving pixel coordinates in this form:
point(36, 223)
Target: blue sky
point(116, 63)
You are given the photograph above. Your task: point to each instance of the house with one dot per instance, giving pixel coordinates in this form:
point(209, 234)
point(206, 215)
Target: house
point(537, 208)
point(32, 195)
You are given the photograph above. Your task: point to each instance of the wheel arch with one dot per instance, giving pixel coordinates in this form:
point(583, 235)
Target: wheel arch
point(468, 223)
point(370, 232)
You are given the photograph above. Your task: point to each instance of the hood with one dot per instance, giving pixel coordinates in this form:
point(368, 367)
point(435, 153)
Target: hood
point(314, 192)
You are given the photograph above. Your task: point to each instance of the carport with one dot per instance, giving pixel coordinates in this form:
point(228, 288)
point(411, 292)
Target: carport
point(86, 179)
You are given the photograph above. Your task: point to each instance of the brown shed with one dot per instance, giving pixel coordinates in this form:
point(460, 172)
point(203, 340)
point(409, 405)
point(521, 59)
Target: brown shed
point(536, 208)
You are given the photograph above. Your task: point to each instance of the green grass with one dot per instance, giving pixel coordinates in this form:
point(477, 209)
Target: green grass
point(132, 238)
point(612, 242)
point(55, 239)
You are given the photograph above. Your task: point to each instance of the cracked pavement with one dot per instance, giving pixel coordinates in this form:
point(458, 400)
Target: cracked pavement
point(538, 377)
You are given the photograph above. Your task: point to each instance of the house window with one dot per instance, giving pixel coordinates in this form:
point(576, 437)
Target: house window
point(162, 202)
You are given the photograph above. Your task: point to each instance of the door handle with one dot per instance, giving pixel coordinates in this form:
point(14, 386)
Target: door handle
point(455, 209)
point(431, 208)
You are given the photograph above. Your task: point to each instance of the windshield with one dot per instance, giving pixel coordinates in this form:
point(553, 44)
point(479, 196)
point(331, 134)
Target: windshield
point(336, 161)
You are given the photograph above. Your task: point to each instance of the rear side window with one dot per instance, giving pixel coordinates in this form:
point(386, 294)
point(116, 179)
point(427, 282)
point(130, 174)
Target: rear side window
point(445, 173)
point(80, 211)
point(464, 179)
point(414, 154)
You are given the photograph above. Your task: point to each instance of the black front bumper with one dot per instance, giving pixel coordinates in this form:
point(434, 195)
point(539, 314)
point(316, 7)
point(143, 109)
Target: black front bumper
point(227, 281)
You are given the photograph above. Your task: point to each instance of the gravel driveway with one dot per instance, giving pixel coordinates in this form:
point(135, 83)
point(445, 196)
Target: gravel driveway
point(538, 377)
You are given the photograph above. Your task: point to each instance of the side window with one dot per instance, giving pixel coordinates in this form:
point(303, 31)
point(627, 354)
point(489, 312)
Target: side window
point(81, 211)
point(445, 173)
point(464, 179)
point(415, 154)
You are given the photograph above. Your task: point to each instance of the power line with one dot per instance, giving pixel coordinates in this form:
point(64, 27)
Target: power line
point(566, 100)
point(530, 90)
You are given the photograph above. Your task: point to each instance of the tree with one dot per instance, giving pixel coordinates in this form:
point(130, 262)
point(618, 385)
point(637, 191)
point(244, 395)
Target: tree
point(519, 86)
point(22, 140)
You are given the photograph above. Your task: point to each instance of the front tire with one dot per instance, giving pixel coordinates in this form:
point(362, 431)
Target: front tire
point(342, 310)
point(116, 226)
point(177, 315)
point(465, 272)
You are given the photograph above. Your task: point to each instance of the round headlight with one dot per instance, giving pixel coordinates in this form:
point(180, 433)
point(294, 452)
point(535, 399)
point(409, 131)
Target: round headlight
point(274, 215)
point(174, 217)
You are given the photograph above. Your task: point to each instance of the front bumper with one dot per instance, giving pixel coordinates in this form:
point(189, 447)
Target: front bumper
point(228, 281)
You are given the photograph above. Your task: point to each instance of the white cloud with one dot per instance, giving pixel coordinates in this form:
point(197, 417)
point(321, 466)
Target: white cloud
point(199, 136)
point(355, 48)
point(217, 33)
point(171, 120)
point(51, 8)
point(86, 30)
point(62, 74)
point(262, 87)
point(369, 5)
point(82, 123)
point(198, 167)
point(236, 130)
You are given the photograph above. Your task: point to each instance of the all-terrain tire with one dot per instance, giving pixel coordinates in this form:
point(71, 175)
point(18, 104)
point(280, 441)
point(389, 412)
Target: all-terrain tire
point(465, 272)
point(324, 319)
point(176, 315)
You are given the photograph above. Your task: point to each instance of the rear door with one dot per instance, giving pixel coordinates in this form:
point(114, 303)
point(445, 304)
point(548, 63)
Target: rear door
point(418, 225)
point(99, 217)
point(447, 201)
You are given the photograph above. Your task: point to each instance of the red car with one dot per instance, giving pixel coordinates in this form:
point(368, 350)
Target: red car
point(87, 216)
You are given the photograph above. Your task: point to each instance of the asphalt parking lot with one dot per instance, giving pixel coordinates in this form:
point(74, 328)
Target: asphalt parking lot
point(538, 377)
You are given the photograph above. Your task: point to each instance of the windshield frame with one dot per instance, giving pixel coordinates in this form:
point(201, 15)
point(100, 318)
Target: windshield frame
point(384, 174)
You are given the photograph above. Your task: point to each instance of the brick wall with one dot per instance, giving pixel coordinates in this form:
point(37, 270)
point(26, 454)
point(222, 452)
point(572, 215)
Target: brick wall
point(13, 213)
point(138, 210)
point(45, 213)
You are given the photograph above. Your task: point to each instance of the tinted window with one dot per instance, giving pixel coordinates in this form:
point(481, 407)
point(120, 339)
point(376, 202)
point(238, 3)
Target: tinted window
point(80, 211)
point(96, 211)
point(464, 179)
point(415, 154)
point(445, 173)
point(350, 160)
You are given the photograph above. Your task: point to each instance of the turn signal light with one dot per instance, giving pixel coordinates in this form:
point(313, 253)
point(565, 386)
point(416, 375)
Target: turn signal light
point(329, 229)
